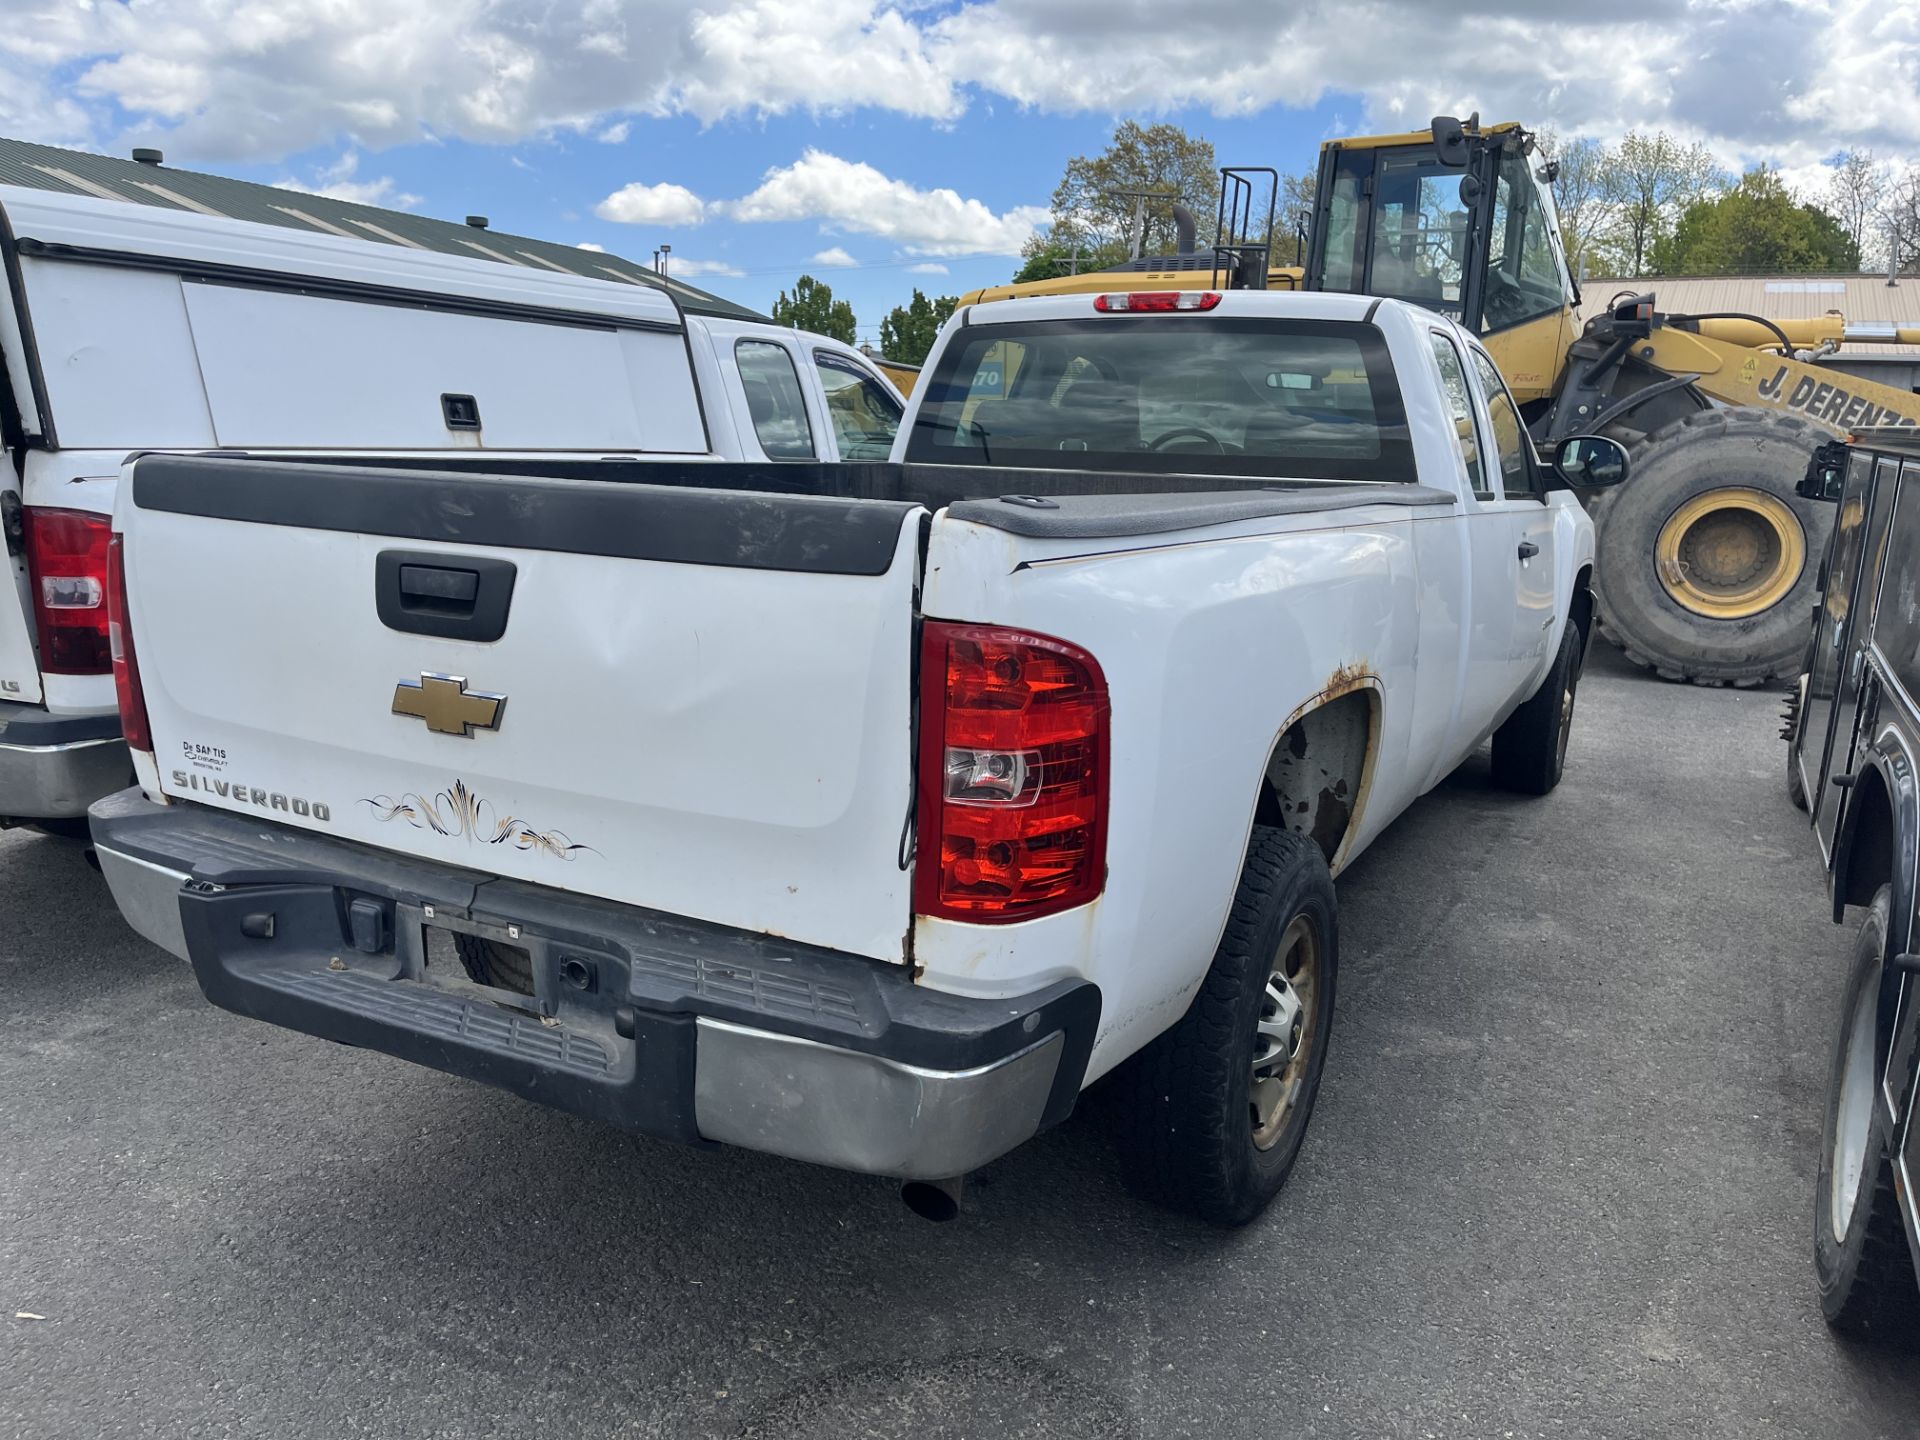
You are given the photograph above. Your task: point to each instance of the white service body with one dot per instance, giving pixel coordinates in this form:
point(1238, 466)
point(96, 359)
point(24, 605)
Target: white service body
point(129, 328)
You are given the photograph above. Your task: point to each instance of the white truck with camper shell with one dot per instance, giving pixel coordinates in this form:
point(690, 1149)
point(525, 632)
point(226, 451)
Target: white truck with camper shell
point(863, 814)
point(126, 327)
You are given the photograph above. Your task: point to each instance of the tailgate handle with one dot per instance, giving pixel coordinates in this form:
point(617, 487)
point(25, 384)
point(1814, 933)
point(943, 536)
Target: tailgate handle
point(456, 597)
point(429, 587)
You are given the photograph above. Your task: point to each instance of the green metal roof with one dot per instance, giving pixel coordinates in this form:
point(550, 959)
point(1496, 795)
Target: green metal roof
point(76, 172)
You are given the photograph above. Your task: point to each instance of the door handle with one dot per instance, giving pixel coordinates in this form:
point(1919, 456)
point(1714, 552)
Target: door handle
point(1528, 549)
point(457, 597)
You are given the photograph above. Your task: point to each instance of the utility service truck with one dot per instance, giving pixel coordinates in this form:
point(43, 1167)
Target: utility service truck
point(863, 814)
point(127, 327)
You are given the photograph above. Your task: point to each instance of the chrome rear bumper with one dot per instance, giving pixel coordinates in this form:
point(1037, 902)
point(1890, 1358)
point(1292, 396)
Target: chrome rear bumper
point(52, 767)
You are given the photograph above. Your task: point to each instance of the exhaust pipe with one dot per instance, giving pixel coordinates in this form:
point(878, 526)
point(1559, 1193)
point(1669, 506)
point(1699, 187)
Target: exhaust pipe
point(1186, 228)
point(935, 1200)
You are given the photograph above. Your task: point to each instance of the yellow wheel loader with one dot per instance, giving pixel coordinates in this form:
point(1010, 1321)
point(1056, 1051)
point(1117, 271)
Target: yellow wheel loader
point(1708, 558)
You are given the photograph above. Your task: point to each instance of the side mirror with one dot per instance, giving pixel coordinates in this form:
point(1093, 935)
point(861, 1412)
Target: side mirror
point(1590, 462)
point(1450, 142)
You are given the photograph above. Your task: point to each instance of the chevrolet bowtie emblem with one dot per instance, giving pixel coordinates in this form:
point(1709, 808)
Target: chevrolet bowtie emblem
point(448, 707)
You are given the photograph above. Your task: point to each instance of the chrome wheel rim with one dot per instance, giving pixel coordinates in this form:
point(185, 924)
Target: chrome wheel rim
point(1853, 1128)
point(1283, 1033)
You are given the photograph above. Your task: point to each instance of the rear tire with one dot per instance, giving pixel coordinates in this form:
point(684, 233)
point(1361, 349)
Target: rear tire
point(1867, 1283)
point(1218, 1108)
point(1754, 458)
point(1530, 748)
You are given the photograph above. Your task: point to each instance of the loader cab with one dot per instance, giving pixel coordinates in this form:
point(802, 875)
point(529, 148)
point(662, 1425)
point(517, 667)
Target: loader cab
point(1459, 220)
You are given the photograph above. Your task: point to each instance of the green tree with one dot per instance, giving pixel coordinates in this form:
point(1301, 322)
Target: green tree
point(1047, 257)
point(1650, 181)
point(908, 331)
point(1755, 228)
point(1293, 216)
point(813, 307)
point(1089, 205)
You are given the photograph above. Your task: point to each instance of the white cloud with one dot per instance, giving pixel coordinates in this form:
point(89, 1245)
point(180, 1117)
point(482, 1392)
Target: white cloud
point(681, 268)
point(615, 134)
point(929, 268)
point(661, 204)
point(589, 245)
point(849, 195)
point(337, 182)
point(835, 255)
point(223, 80)
point(770, 56)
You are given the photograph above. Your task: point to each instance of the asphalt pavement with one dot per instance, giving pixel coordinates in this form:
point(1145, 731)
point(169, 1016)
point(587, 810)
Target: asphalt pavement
point(1559, 1184)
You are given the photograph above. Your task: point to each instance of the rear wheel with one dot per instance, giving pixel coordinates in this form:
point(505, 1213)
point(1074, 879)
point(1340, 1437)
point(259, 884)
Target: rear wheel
point(1530, 748)
point(1707, 561)
point(1867, 1282)
point(1220, 1102)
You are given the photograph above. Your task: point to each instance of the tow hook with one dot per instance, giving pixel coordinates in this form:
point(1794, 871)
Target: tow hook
point(936, 1200)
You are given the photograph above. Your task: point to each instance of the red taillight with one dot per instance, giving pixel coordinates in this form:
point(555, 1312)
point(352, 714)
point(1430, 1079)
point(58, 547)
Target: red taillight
point(67, 563)
point(126, 669)
point(1140, 302)
point(1013, 774)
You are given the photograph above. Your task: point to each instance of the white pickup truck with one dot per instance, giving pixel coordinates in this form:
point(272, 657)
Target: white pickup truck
point(127, 327)
point(862, 814)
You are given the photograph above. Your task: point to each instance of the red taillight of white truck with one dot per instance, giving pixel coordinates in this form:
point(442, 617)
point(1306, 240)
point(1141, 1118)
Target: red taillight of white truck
point(1013, 774)
point(126, 669)
point(67, 563)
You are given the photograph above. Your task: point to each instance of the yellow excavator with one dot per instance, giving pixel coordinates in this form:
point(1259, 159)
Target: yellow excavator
point(1708, 557)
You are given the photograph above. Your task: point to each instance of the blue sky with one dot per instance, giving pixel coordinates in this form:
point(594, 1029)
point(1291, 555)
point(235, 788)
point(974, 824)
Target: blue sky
point(549, 186)
point(755, 135)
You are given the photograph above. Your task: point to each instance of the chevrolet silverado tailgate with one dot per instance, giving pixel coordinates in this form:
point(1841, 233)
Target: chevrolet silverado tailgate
point(694, 700)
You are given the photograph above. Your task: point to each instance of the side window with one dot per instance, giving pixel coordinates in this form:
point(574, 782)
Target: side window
point(1523, 272)
point(1509, 435)
point(865, 417)
point(1466, 431)
point(775, 400)
point(1897, 626)
point(1420, 222)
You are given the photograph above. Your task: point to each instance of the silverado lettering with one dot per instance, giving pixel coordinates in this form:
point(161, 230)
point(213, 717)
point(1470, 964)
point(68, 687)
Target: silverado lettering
point(246, 795)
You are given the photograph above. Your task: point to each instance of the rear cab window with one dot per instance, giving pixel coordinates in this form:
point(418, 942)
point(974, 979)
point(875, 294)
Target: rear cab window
point(864, 416)
point(775, 399)
point(1214, 395)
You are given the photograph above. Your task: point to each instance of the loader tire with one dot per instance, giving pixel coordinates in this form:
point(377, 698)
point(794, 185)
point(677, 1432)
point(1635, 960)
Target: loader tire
point(1218, 1105)
point(1708, 561)
point(1860, 1254)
